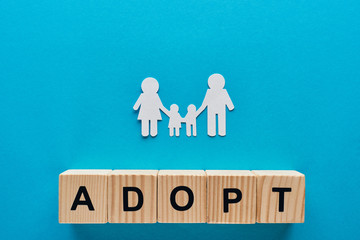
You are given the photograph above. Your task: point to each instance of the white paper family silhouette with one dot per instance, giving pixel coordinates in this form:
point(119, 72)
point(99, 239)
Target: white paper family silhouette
point(216, 100)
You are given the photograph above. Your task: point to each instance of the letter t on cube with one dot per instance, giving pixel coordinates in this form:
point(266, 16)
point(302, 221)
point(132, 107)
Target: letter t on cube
point(280, 196)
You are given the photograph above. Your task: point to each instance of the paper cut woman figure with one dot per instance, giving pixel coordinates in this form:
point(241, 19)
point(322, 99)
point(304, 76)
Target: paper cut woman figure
point(175, 120)
point(150, 106)
point(216, 100)
point(190, 120)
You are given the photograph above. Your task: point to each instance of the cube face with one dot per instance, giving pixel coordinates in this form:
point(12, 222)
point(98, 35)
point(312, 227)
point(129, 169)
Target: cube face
point(181, 196)
point(83, 196)
point(280, 197)
point(231, 197)
point(132, 196)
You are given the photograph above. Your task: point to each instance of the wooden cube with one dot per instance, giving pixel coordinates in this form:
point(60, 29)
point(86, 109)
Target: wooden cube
point(181, 196)
point(231, 196)
point(132, 196)
point(280, 196)
point(83, 196)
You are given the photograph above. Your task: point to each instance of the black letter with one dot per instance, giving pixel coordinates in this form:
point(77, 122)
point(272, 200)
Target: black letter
point(227, 200)
point(173, 195)
point(281, 192)
point(87, 201)
point(126, 190)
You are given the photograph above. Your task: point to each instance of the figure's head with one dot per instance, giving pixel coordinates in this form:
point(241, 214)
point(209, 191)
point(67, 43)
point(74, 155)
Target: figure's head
point(150, 85)
point(191, 108)
point(174, 108)
point(216, 81)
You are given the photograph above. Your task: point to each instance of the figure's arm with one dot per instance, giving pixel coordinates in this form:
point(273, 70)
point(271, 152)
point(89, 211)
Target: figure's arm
point(202, 107)
point(183, 119)
point(164, 110)
point(229, 103)
point(161, 106)
point(138, 103)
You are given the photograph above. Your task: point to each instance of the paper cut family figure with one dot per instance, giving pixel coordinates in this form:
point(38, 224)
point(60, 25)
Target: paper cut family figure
point(216, 100)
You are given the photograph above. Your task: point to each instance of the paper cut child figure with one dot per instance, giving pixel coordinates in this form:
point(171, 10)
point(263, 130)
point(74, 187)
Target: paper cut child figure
point(190, 120)
point(150, 106)
point(216, 100)
point(175, 120)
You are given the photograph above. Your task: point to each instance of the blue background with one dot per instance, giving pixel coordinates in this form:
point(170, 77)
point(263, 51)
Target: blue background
point(71, 71)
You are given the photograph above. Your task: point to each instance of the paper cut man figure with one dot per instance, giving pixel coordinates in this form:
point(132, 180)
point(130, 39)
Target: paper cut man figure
point(150, 106)
point(175, 120)
point(190, 120)
point(216, 100)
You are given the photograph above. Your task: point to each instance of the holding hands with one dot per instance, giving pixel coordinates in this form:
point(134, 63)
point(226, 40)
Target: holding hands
point(176, 120)
point(216, 101)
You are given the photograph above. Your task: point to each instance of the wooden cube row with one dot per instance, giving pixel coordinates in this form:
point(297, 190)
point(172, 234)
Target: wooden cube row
point(181, 196)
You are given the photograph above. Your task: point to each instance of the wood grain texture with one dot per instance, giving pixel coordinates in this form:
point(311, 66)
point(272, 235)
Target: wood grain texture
point(167, 181)
point(146, 181)
point(95, 182)
point(268, 201)
point(243, 212)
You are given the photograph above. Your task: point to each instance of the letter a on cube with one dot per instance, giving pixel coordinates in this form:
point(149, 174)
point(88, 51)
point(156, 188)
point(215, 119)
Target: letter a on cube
point(83, 196)
point(280, 196)
point(231, 196)
point(132, 196)
point(182, 196)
